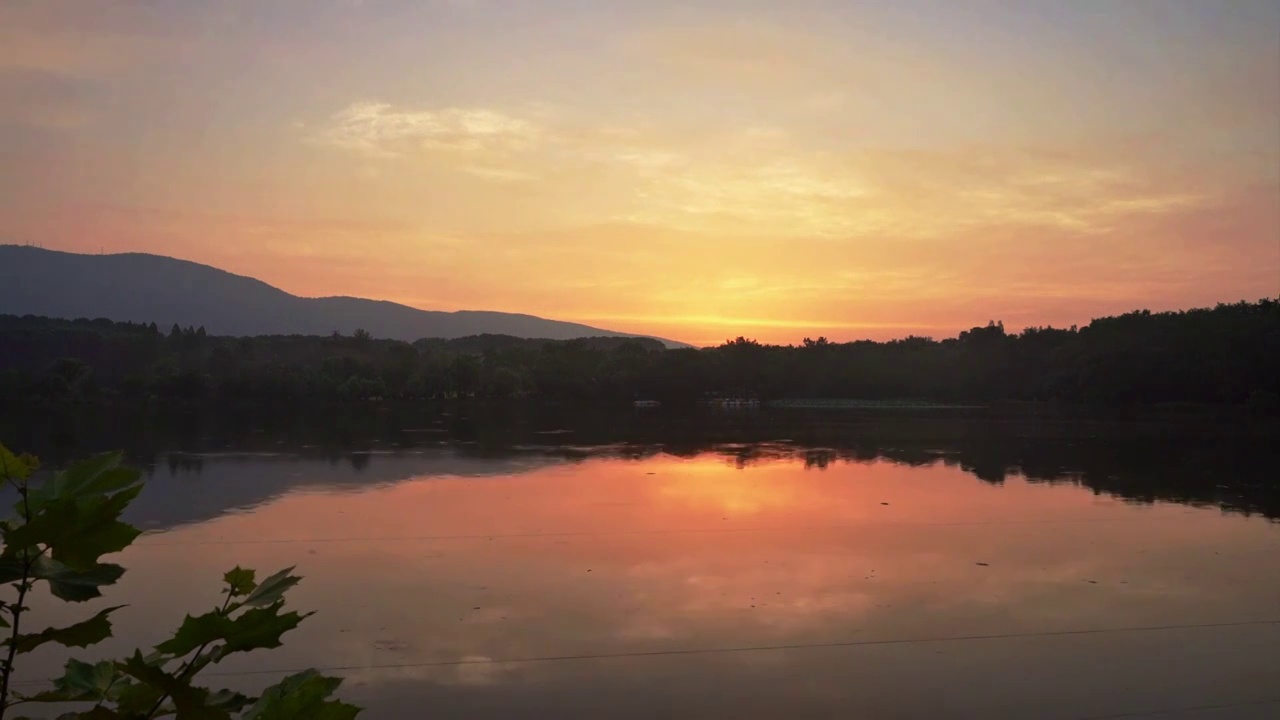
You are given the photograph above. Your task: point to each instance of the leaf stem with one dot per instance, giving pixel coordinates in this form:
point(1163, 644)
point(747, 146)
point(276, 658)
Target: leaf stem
point(15, 610)
point(186, 667)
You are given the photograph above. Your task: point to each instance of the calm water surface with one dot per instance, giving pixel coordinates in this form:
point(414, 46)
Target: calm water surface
point(757, 580)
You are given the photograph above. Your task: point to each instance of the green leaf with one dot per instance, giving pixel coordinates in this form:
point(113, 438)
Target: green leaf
point(80, 682)
point(75, 585)
point(16, 467)
point(97, 475)
point(190, 702)
point(133, 699)
point(79, 530)
point(260, 628)
point(230, 701)
point(82, 634)
point(10, 569)
point(256, 629)
point(272, 589)
point(195, 632)
point(302, 696)
point(97, 712)
point(240, 581)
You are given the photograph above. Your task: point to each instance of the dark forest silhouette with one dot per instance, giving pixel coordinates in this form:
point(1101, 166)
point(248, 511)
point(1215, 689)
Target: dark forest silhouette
point(1222, 355)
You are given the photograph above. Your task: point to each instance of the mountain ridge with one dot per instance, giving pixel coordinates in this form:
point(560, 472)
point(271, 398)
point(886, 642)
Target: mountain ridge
point(145, 287)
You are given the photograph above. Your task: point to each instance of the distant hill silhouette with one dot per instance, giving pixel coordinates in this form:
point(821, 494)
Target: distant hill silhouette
point(153, 288)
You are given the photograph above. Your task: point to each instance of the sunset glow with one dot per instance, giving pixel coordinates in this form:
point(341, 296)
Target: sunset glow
point(690, 170)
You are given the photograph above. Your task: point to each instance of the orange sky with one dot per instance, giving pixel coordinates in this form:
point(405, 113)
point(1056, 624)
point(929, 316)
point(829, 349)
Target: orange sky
point(692, 170)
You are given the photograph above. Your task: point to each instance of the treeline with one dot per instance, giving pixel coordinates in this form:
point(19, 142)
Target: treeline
point(1227, 354)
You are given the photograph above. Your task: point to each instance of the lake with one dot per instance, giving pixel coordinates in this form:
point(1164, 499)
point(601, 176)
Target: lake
point(752, 565)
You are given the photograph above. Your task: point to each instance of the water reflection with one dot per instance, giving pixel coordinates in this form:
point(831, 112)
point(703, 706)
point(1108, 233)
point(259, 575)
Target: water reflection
point(1201, 460)
point(799, 572)
point(188, 488)
point(237, 480)
point(455, 590)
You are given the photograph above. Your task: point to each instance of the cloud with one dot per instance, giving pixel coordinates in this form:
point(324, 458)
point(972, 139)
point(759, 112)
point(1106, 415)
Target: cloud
point(751, 230)
point(775, 187)
point(763, 180)
point(380, 129)
point(500, 174)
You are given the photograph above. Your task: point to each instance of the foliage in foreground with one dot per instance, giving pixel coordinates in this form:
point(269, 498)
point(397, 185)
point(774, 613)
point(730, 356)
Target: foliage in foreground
point(62, 529)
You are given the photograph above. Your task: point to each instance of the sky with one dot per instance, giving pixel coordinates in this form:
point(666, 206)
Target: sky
point(694, 170)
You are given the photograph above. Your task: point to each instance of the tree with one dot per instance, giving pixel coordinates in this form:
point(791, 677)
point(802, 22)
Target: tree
point(62, 529)
point(1224, 354)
